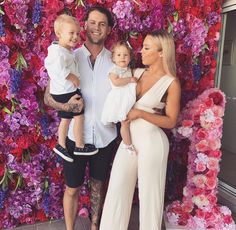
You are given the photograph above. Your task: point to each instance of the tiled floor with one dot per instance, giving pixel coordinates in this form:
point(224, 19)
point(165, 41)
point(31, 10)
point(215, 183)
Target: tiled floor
point(81, 223)
point(84, 224)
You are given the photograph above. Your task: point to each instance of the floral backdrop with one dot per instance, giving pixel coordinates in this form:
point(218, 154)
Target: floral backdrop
point(31, 181)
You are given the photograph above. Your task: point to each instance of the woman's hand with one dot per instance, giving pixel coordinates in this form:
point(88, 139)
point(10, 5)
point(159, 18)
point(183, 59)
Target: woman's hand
point(134, 114)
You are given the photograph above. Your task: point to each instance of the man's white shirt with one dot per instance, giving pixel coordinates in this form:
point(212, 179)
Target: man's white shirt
point(95, 86)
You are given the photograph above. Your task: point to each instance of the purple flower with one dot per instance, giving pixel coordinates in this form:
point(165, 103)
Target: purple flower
point(2, 31)
point(45, 203)
point(15, 80)
point(4, 73)
point(196, 72)
point(37, 12)
point(44, 125)
point(3, 195)
point(213, 18)
point(4, 51)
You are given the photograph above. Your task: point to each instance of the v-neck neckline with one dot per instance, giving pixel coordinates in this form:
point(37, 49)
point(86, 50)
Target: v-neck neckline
point(151, 87)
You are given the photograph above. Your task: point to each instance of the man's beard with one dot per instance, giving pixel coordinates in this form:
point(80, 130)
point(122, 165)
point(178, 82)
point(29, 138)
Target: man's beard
point(91, 40)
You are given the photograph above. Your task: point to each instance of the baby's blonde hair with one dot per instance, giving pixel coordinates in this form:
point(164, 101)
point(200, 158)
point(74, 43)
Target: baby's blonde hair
point(124, 44)
point(64, 18)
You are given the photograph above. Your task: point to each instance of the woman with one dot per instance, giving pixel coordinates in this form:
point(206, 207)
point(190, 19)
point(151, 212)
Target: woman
point(157, 84)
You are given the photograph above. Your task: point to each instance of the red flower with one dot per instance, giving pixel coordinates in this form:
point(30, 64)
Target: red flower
point(24, 141)
point(85, 199)
point(228, 219)
point(2, 170)
point(200, 213)
point(40, 215)
point(217, 98)
point(216, 153)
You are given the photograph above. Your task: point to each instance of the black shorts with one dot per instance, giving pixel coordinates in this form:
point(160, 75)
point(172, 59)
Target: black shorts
point(99, 165)
point(63, 98)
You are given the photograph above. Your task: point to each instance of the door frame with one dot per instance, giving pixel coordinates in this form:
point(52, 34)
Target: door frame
point(227, 193)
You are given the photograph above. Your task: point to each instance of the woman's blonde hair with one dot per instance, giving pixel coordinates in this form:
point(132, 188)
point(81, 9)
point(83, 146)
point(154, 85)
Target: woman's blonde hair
point(166, 45)
point(64, 18)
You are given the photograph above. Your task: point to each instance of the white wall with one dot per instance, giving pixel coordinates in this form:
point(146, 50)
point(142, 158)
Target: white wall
point(228, 85)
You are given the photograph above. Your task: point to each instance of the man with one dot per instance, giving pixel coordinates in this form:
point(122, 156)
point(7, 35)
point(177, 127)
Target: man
point(94, 64)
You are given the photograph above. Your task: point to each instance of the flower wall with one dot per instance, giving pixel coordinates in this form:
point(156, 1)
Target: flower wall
point(31, 181)
point(201, 123)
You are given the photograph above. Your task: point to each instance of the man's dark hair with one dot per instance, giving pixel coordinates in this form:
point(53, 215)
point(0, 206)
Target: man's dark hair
point(102, 10)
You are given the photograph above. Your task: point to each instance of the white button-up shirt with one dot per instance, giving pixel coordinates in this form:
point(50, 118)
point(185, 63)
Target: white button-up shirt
point(59, 63)
point(95, 85)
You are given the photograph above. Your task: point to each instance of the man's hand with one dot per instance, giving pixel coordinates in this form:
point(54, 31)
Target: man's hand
point(75, 104)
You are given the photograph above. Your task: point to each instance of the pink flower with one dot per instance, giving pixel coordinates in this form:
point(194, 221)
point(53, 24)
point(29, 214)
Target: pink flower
point(202, 146)
point(200, 167)
point(187, 206)
point(213, 163)
point(211, 182)
point(202, 134)
point(228, 219)
point(185, 131)
point(200, 213)
point(216, 154)
point(83, 212)
point(187, 123)
point(212, 199)
point(199, 180)
point(214, 144)
point(200, 200)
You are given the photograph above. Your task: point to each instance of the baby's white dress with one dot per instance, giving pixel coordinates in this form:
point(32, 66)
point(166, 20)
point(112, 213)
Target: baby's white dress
point(120, 99)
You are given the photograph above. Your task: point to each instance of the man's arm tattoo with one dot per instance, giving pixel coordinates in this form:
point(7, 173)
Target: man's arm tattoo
point(48, 100)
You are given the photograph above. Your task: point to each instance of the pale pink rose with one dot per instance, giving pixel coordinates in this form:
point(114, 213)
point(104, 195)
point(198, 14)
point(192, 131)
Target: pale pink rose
point(214, 144)
point(205, 124)
point(202, 146)
point(218, 122)
point(200, 200)
point(217, 36)
point(213, 163)
point(185, 131)
point(199, 180)
point(185, 191)
point(187, 206)
point(218, 111)
point(200, 167)
point(69, 1)
point(225, 210)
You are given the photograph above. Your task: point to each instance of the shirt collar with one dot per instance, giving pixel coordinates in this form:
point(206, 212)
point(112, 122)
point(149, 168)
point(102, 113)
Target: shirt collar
point(87, 52)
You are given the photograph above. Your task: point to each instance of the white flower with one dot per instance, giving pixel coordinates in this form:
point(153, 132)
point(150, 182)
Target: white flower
point(200, 200)
point(185, 131)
